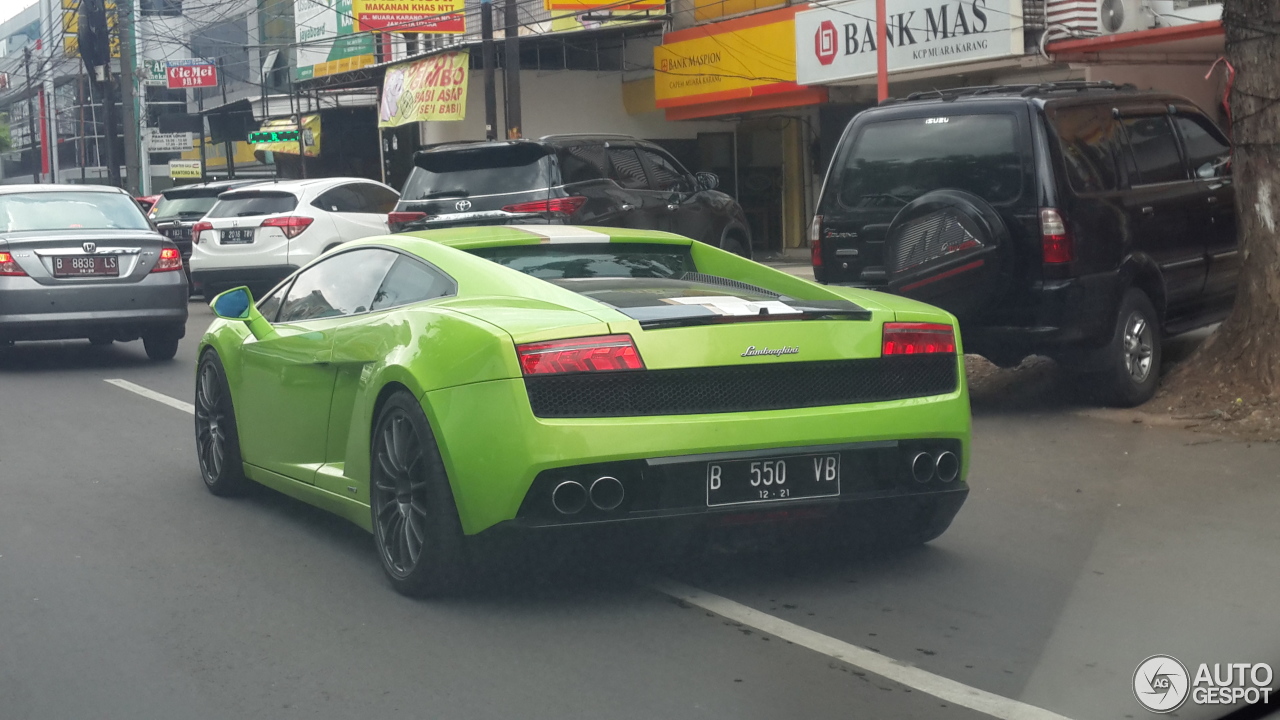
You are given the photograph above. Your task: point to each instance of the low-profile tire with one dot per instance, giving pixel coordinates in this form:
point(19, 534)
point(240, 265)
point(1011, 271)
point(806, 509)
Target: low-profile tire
point(217, 439)
point(415, 520)
point(1131, 361)
point(161, 345)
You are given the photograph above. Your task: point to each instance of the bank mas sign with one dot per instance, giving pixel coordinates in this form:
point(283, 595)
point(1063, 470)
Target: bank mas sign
point(838, 42)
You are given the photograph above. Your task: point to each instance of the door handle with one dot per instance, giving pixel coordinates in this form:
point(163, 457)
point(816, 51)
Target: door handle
point(627, 207)
point(1212, 199)
point(672, 207)
point(1148, 210)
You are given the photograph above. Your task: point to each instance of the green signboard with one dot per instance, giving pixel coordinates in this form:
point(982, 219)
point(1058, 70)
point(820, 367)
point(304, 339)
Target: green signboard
point(273, 136)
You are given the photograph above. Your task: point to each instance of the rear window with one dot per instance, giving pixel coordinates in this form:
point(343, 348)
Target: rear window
point(183, 208)
point(70, 210)
point(1092, 145)
point(482, 171)
point(624, 260)
point(249, 204)
point(894, 162)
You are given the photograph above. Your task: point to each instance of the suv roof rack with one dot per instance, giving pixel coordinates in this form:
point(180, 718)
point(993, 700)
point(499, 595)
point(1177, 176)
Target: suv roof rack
point(586, 136)
point(1027, 90)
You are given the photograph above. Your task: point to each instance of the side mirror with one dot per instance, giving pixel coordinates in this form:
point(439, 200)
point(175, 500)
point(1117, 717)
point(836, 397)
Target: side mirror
point(707, 180)
point(237, 304)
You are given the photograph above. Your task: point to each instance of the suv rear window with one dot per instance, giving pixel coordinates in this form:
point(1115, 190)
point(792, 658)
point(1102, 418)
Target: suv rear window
point(618, 260)
point(183, 208)
point(479, 171)
point(250, 204)
point(894, 162)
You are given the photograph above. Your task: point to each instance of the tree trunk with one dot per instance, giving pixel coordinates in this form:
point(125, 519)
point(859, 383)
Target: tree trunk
point(1243, 358)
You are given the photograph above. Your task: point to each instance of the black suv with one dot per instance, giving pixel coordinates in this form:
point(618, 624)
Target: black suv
point(609, 180)
point(1083, 221)
point(180, 207)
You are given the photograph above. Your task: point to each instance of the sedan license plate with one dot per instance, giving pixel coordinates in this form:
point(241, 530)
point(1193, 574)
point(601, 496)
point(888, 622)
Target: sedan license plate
point(89, 266)
point(237, 236)
point(734, 482)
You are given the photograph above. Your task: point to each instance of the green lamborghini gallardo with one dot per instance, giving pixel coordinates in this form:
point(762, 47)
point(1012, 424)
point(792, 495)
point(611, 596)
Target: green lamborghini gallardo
point(437, 386)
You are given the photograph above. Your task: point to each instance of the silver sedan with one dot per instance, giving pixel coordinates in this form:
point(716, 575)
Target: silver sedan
point(82, 261)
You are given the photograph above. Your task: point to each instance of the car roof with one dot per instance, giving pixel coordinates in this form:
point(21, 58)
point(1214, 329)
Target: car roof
point(299, 187)
point(209, 188)
point(546, 140)
point(48, 188)
point(1040, 95)
point(471, 238)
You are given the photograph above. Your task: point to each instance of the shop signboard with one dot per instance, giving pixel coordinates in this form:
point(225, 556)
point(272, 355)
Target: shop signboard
point(158, 142)
point(415, 16)
point(433, 88)
point(184, 169)
point(836, 43)
point(182, 74)
point(153, 73)
point(326, 39)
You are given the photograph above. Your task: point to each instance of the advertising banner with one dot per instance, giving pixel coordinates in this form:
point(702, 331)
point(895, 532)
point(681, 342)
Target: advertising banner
point(415, 16)
point(433, 88)
point(327, 42)
point(180, 74)
point(585, 5)
point(736, 58)
point(838, 42)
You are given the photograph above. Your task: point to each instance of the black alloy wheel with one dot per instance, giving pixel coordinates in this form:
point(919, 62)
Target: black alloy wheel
point(217, 441)
point(415, 521)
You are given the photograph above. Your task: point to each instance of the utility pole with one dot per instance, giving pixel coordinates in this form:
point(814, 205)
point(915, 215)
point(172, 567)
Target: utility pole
point(228, 145)
point(512, 71)
point(128, 93)
point(486, 51)
point(31, 117)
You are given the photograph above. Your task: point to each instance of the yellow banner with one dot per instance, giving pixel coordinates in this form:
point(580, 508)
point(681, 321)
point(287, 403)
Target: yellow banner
point(726, 60)
point(71, 28)
point(433, 88)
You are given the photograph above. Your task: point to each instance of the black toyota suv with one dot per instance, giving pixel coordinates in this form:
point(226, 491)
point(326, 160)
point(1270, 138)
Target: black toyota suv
point(180, 207)
point(609, 180)
point(1083, 221)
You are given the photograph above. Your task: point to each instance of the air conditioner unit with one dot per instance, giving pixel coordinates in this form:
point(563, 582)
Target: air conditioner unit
point(1086, 18)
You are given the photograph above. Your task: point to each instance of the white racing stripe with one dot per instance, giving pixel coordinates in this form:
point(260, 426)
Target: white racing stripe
point(563, 234)
point(152, 394)
point(862, 658)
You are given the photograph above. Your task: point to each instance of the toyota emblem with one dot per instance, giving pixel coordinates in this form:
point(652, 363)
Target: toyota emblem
point(90, 248)
point(463, 205)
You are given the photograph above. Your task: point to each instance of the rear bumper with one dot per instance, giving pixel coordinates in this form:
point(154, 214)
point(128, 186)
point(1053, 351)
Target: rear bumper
point(263, 275)
point(1076, 312)
point(31, 311)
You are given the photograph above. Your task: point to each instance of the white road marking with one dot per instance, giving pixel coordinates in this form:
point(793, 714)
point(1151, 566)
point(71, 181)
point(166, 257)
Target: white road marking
point(953, 692)
point(949, 690)
point(152, 394)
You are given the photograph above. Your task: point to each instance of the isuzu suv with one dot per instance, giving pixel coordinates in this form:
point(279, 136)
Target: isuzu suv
point(1084, 221)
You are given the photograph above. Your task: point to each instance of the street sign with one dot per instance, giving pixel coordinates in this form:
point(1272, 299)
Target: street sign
point(182, 74)
point(184, 169)
point(273, 136)
point(158, 142)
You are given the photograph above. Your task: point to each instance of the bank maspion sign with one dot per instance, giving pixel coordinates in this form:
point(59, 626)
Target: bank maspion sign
point(838, 42)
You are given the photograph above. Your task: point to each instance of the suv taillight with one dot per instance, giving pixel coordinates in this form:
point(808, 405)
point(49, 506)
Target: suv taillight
point(907, 338)
point(815, 241)
point(291, 225)
point(9, 266)
point(1055, 241)
point(395, 219)
point(199, 228)
point(559, 206)
point(588, 354)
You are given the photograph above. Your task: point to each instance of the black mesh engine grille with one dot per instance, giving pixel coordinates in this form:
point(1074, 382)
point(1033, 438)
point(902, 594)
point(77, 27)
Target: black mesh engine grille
point(741, 388)
point(928, 238)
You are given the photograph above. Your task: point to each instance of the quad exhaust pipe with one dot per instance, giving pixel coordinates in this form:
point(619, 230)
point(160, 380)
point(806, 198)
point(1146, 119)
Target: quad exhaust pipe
point(570, 497)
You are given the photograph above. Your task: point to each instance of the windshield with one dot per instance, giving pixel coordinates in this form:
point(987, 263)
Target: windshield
point(183, 208)
point(70, 210)
point(481, 171)
point(894, 162)
point(606, 260)
point(251, 204)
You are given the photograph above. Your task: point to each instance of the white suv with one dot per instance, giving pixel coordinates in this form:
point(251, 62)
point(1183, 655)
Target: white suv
point(259, 235)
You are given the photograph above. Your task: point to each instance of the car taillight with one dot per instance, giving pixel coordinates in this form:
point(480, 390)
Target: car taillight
point(401, 218)
point(9, 266)
point(1055, 241)
point(589, 354)
point(906, 338)
point(560, 206)
point(199, 228)
point(170, 259)
point(815, 241)
point(291, 225)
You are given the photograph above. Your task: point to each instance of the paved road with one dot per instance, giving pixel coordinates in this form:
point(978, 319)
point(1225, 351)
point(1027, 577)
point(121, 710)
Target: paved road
point(127, 591)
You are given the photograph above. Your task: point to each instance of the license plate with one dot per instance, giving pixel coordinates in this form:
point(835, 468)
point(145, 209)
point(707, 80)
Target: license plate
point(177, 233)
point(734, 482)
point(99, 265)
point(237, 236)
